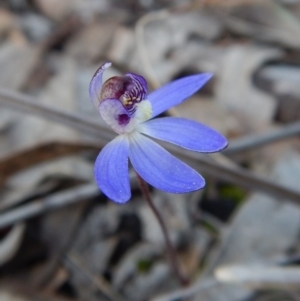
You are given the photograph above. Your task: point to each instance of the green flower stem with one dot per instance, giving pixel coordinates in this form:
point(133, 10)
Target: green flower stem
point(170, 248)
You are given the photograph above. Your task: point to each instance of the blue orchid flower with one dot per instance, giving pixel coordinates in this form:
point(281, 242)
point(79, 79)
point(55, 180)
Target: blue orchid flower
point(124, 104)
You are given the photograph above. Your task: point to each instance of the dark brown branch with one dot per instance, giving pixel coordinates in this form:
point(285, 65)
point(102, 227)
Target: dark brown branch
point(170, 248)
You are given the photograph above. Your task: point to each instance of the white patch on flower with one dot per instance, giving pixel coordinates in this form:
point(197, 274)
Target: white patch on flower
point(115, 115)
point(143, 112)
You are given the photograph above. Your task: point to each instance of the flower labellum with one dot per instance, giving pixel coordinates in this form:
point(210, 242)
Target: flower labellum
point(125, 105)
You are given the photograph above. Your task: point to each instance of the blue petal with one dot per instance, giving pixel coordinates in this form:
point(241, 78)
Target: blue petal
point(111, 170)
point(176, 92)
point(159, 168)
point(186, 133)
point(96, 84)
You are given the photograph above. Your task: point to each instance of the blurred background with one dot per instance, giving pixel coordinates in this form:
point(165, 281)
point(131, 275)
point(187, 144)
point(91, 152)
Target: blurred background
point(61, 239)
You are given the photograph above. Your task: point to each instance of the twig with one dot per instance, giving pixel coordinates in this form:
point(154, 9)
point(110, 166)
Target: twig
point(30, 105)
point(238, 176)
point(170, 248)
point(49, 203)
point(203, 163)
point(100, 283)
point(53, 202)
point(258, 140)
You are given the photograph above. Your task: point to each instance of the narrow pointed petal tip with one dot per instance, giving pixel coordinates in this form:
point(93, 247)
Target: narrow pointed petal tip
point(96, 83)
point(176, 92)
point(161, 169)
point(185, 133)
point(111, 170)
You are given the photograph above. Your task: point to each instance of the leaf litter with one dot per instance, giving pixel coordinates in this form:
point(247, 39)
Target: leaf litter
point(60, 237)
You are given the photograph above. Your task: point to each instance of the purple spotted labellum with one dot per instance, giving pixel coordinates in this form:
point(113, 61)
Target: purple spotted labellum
point(124, 104)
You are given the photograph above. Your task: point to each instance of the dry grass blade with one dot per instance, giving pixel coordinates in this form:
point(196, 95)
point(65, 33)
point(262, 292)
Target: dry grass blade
point(49, 203)
point(49, 151)
point(23, 103)
point(234, 175)
point(253, 141)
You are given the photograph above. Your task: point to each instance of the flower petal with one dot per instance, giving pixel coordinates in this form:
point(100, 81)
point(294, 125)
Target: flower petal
point(141, 86)
point(176, 92)
point(114, 114)
point(159, 168)
point(96, 84)
point(186, 133)
point(111, 170)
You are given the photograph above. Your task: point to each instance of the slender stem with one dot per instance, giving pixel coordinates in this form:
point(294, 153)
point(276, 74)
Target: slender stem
point(170, 249)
